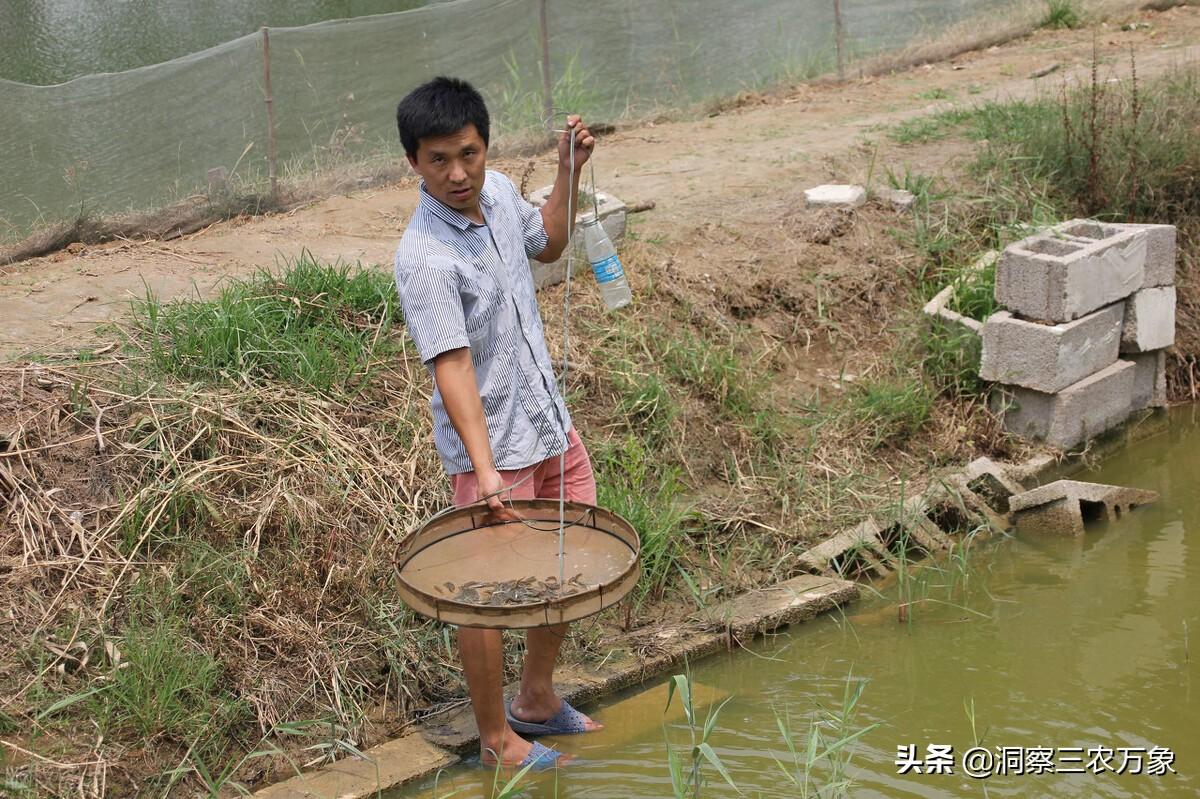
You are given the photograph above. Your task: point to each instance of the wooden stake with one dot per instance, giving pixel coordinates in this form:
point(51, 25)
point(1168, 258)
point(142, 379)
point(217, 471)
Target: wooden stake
point(271, 173)
point(547, 84)
point(841, 39)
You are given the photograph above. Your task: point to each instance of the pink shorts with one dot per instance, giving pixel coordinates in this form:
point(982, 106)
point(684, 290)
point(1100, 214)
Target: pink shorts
point(544, 484)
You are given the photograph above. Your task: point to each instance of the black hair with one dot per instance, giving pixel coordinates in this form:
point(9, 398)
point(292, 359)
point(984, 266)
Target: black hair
point(438, 108)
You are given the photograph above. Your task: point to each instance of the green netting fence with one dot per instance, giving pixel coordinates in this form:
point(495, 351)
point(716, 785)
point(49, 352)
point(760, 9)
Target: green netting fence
point(145, 138)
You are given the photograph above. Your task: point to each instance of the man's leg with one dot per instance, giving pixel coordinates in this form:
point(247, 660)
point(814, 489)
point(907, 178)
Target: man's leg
point(536, 700)
point(482, 654)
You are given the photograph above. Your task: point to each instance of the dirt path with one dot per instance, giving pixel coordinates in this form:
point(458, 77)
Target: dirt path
point(701, 172)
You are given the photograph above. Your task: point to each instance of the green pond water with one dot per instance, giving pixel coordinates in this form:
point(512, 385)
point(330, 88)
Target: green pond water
point(52, 41)
point(1076, 645)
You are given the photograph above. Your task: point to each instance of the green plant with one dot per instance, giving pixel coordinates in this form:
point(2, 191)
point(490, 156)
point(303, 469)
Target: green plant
point(1123, 151)
point(820, 767)
point(687, 774)
point(950, 357)
point(930, 127)
point(1062, 14)
point(311, 324)
point(521, 105)
point(936, 93)
point(633, 482)
point(890, 409)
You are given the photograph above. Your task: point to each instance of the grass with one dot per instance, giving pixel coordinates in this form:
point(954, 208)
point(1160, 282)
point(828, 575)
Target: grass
point(635, 483)
point(889, 410)
point(308, 324)
point(930, 127)
point(1062, 14)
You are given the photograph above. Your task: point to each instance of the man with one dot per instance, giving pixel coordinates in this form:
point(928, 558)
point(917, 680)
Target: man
point(498, 417)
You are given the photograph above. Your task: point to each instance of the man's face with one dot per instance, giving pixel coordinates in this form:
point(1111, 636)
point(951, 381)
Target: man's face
point(453, 168)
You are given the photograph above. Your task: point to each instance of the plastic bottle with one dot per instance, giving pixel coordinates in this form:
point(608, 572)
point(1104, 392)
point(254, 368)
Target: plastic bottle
point(602, 255)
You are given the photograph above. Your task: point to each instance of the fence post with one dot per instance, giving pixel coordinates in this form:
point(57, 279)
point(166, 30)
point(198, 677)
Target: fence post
point(841, 39)
point(547, 83)
point(266, 43)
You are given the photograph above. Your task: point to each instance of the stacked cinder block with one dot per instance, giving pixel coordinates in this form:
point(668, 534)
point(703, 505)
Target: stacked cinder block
point(1090, 310)
point(609, 210)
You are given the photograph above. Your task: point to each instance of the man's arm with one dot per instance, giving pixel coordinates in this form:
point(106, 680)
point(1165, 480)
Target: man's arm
point(455, 377)
point(554, 212)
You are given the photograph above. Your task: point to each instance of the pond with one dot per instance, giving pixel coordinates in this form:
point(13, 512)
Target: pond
point(52, 41)
point(1072, 656)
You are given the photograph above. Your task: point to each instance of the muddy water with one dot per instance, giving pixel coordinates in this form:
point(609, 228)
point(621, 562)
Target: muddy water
point(1075, 645)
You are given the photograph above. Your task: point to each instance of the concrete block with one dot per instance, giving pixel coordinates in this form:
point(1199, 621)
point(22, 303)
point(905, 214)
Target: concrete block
point(835, 195)
point(613, 215)
point(1077, 413)
point(900, 199)
point(1064, 507)
point(1049, 358)
point(1057, 278)
point(1149, 320)
point(1149, 380)
point(1160, 245)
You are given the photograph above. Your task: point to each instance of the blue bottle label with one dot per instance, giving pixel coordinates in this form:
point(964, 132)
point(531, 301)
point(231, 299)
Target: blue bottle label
point(607, 270)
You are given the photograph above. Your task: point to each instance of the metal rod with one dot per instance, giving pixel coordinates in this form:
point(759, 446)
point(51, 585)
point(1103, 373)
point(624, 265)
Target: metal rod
point(547, 83)
point(841, 39)
point(266, 43)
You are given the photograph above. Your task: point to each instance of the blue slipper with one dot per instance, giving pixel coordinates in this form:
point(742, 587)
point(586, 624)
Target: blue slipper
point(567, 721)
point(540, 757)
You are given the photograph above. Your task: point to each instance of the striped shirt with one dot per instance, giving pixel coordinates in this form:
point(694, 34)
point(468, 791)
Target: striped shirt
point(463, 284)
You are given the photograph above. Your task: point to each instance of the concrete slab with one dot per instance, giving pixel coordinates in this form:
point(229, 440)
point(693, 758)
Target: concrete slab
point(1057, 278)
point(613, 215)
point(835, 195)
point(790, 602)
point(1065, 507)
point(1160, 245)
point(1049, 358)
point(1149, 320)
point(388, 765)
point(1083, 410)
point(1149, 380)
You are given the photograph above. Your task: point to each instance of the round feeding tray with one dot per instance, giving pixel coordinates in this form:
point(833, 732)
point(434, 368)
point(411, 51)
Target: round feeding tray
point(468, 569)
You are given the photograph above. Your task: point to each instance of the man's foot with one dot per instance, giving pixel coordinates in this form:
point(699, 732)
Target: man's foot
point(510, 750)
point(518, 753)
point(550, 716)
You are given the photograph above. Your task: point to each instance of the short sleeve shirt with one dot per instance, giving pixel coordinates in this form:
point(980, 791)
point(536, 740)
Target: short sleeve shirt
point(463, 284)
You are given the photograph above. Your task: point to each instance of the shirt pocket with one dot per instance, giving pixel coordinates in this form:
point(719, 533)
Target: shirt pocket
point(485, 301)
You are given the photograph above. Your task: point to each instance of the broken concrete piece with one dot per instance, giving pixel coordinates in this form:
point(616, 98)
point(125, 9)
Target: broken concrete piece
point(1064, 507)
point(1077, 413)
point(1056, 278)
point(836, 195)
point(1149, 380)
point(1149, 320)
point(899, 199)
point(938, 308)
point(1049, 358)
point(858, 549)
point(612, 213)
point(1160, 245)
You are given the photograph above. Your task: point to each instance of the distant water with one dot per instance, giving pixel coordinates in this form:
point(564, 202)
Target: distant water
point(52, 41)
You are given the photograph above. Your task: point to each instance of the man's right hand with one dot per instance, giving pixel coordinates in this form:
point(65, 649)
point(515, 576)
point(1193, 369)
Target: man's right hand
point(488, 484)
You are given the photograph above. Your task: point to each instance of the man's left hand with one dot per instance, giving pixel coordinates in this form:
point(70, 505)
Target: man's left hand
point(584, 143)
